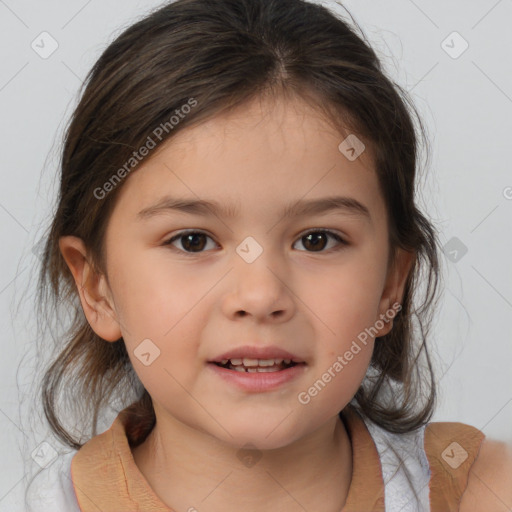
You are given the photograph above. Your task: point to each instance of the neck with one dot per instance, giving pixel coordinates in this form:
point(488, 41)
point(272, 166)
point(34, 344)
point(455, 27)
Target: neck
point(187, 468)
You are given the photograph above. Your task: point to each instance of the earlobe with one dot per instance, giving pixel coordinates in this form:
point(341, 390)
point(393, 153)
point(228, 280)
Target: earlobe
point(92, 288)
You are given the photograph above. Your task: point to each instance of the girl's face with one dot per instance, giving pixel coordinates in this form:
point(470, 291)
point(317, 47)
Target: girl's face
point(253, 274)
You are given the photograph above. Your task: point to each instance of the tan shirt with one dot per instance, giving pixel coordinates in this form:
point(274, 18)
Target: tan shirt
point(105, 476)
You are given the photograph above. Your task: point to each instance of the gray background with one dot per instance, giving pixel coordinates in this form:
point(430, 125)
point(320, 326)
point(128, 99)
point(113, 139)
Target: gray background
point(466, 103)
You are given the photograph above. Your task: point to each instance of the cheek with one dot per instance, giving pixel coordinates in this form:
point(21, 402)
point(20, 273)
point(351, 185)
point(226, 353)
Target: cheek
point(170, 334)
point(162, 315)
point(346, 302)
point(151, 297)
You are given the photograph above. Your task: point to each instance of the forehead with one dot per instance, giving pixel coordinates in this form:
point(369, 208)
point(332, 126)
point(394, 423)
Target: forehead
point(264, 153)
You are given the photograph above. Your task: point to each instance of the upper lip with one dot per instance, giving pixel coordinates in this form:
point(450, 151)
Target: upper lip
point(254, 352)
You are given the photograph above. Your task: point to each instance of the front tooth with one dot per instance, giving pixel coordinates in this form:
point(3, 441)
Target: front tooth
point(268, 362)
point(234, 362)
point(250, 362)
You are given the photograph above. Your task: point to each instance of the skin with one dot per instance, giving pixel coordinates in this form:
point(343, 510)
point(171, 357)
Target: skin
point(259, 158)
point(489, 487)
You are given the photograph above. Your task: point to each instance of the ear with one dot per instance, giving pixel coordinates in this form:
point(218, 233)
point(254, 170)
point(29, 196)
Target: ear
point(93, 289)
point(393, 292)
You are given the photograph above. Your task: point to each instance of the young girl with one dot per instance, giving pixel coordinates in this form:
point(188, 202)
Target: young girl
point(237, 236)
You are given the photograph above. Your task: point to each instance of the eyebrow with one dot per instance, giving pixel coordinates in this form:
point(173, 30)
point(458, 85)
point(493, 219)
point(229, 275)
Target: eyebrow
point(302, 207)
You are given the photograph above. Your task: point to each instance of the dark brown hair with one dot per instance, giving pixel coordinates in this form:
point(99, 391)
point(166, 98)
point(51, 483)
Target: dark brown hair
point(223, 53)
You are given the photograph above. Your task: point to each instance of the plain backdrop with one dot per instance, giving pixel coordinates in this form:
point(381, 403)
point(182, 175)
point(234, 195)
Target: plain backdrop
point(453, 58)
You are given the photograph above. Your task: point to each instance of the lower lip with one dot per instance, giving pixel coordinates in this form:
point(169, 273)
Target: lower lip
point(258, 382)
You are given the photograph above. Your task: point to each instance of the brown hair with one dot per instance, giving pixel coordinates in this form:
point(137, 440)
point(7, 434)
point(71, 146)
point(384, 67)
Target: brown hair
point(224, 53)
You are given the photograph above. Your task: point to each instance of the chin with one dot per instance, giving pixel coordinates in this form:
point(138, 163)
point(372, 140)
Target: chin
point(259, 437)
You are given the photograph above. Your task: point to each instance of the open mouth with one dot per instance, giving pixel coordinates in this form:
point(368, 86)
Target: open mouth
point(256, 365)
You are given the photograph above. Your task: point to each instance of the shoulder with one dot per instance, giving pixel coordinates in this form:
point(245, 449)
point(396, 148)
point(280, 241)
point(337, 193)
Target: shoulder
point(489, 486)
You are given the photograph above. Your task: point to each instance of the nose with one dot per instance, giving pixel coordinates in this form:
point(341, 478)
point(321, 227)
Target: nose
point(260, 290)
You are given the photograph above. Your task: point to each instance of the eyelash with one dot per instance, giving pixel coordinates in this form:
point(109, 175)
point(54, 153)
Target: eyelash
point(336, 236)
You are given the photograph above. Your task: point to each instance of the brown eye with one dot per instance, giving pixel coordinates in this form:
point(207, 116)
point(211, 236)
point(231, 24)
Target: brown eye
point(191, 241)
point(316, 241)
point(196, 241)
